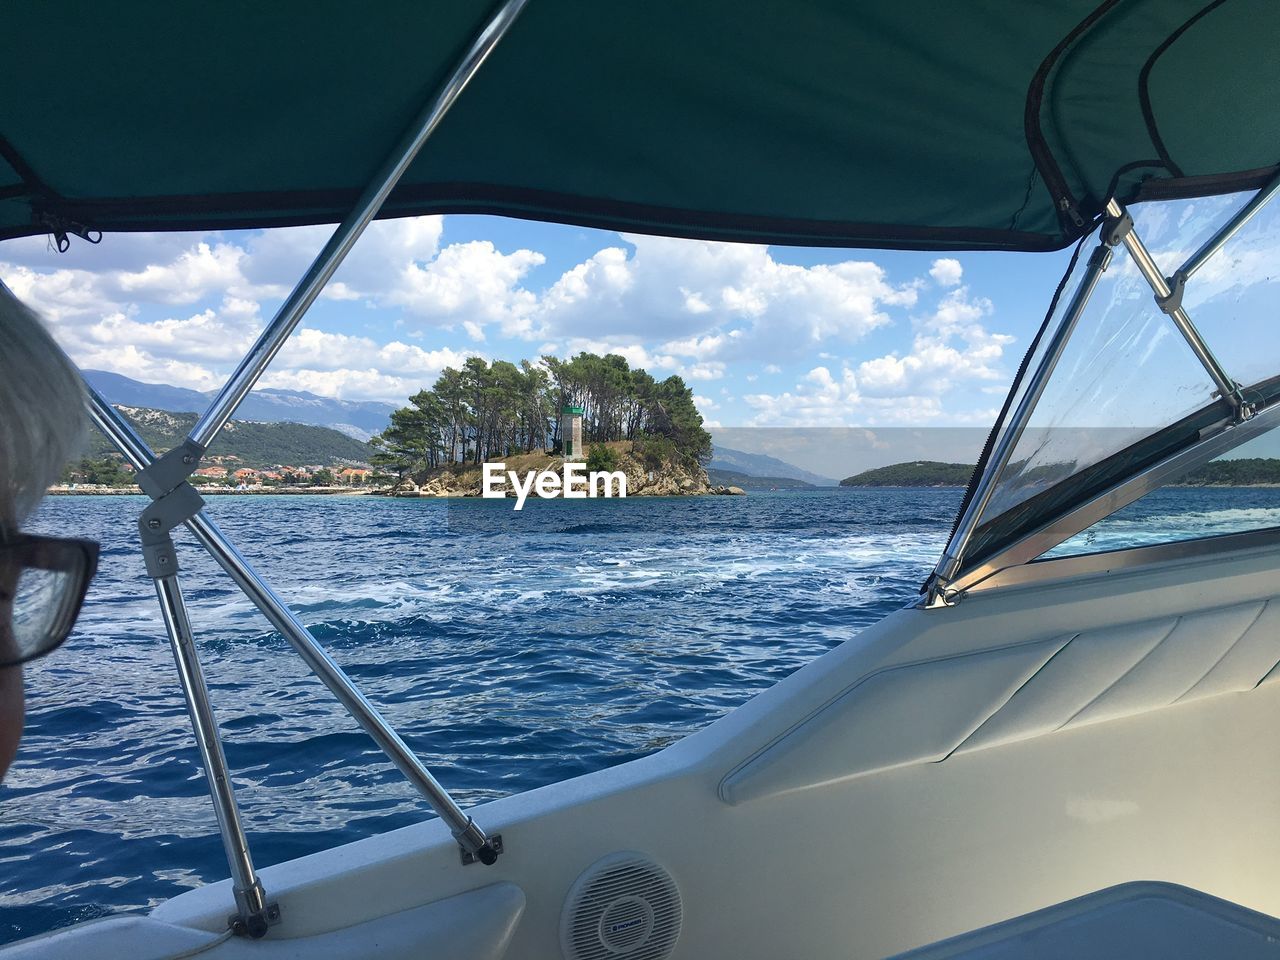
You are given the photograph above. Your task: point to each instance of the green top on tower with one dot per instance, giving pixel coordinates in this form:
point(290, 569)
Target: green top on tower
point(571, 410)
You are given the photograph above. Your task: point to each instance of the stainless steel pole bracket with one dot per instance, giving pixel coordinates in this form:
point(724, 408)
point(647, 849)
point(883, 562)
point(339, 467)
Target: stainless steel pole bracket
point(487, 852)
point(166, 472)
point(240, 926)
point(1169, 299)
point(1171, 302)
point(156, 523)
point(1116, 227)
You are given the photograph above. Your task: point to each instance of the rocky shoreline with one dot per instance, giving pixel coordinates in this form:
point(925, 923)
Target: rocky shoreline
point(98, 490)
point(665, 480)
point(443, 489)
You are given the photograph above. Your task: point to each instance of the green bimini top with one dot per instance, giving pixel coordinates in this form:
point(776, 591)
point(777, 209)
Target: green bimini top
point(921, 124)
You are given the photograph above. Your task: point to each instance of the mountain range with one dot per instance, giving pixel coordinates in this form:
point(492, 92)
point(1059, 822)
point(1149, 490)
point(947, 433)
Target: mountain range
point(727, 460)
point(359, 419)
point(243, 443)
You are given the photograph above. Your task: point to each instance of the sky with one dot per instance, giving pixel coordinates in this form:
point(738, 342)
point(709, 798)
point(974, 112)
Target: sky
point(769, 338)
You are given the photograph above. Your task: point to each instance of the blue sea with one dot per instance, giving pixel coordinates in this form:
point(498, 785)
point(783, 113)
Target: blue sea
point(510, 650)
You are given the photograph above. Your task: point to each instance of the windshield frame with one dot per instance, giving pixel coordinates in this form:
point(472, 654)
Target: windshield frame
point(981, 546)
point(1052, 516)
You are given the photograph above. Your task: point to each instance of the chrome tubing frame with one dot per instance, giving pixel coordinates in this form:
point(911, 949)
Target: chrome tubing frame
point(949, 564)
point(465, 830)
point(251, 900)
point(1229, 229)
point(349, 230)
point(1227, 388)
point(946, 582)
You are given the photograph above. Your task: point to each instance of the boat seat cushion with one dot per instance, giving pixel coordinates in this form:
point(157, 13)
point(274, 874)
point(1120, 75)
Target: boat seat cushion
point(1142, 919)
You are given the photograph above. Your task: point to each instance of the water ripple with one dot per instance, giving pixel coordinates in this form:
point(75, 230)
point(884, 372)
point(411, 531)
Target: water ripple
point(509, 650)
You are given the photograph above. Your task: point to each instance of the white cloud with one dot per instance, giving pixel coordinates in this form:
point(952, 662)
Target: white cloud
point(700, 347)
point(183, 308)
point(129, 361)
point(345, 383)
point(717, 300)
point(195, 273)
point(319, 351)
point(712, 370)
point(469, 282)
point(950, 348)
point(278, 258)
point(936, 362)
point(636, 354)
point(946, 272)
point(98, 314)
point(339, 365)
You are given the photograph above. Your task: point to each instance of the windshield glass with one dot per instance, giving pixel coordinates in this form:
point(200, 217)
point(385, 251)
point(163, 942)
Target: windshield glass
point(1232, 299)
point(1127, 389)
point(1234, 493)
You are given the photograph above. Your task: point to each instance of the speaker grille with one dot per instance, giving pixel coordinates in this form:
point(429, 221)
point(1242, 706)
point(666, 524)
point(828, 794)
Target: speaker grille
point(622, 906)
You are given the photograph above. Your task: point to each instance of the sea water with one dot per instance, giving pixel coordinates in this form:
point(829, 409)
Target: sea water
point(509, 649)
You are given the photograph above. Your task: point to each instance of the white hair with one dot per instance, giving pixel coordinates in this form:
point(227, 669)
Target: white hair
point(42, 419)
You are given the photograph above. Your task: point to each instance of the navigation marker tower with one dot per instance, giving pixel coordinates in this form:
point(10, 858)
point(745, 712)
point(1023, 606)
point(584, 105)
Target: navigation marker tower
point(571, 431)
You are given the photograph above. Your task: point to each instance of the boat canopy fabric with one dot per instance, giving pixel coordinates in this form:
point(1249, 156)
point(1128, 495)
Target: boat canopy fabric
point(991, 124)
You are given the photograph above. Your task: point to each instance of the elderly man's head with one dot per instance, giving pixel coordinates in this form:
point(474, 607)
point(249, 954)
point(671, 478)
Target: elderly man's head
point(41, 425)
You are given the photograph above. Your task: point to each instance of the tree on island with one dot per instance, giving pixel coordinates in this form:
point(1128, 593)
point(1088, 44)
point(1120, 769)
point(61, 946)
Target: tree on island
point(917, 473)
point(485, 411)
point(601, 458)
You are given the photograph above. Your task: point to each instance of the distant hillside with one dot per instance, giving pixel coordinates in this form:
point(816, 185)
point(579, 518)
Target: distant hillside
point(356, 418)
point(920, 473)
point(734, 478)
point(1246, 472)
point(255, 444)
point(760, 465)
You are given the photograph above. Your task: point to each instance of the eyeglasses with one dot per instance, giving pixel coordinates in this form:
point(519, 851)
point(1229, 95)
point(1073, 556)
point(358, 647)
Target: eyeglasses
point(43, 581)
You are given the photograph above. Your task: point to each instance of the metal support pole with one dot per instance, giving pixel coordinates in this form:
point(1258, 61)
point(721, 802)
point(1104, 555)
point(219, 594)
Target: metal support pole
point(1228, 230)
point(1169, 298)
point(345, 236)
point(465, 830)
point(949, 564)
point(251, 900)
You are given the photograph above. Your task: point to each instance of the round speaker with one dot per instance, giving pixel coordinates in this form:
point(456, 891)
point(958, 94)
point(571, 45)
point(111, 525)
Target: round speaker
point(624, 905)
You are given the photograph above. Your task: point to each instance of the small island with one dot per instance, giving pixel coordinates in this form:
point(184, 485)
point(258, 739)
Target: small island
point(917, 473)
point(1244, 472)
point(535, 416)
